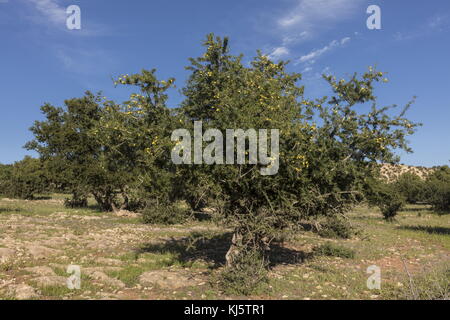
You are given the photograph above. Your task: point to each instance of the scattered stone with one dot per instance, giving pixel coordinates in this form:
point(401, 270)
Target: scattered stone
point(100, 276)
point(91, 270)
point(51, 281)
point(22, 292)
point(41, 271)
point(127, 214)
point(40, 252)
point(108, 261)
point(164, 279)
point(6, 254)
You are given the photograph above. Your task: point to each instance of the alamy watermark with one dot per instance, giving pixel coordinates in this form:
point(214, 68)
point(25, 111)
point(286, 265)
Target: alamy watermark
point(374, 20)
point(239, 144)
point(73, 21)
point(74, 281)
point(374, 281)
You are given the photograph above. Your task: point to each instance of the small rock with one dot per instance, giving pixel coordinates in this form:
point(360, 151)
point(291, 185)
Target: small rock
point(107, 261)
point(100, 276)
point(6, 254)
point(51, 281)
point(22, 292)
point(164, 279)
point(41, 271)
point(39, 252)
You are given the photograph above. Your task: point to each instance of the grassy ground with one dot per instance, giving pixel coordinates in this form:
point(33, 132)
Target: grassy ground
point(121, 258)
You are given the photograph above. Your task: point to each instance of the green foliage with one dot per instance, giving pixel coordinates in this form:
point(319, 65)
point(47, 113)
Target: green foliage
point(327, 147)
point(336, 227)
point(79, 159)
point(332, 250)
point(438, 189)
point(76, 203)
point(5, 178)
point(412, 187)
point(175, 213)
point(24, 179)
point(247, 275)
point(386, 197)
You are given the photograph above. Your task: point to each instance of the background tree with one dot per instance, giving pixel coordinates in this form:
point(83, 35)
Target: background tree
point(137, 134)
point(386, 196)
point(76, 158)
point(5, 178)
point(412, 187)
point(24, 179)
point(437, 189)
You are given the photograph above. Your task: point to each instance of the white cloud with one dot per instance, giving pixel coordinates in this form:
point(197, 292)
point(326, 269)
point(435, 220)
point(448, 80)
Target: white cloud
point(309, 15)
point(315, 54)
point(51, 11)
point(439, 22)
point(295, 38)
point(436, 24)
point(308, 18)
point(345, 40)
point(278, 53)
point(84, 61)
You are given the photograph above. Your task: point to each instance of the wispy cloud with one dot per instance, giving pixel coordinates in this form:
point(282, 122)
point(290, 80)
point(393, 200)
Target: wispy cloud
point(49, 11)
point(306, 20)
point(311, 57)
point(52, 14)
point(84, 61)
point(311, 15)
point(278, 53)
point(439, 22)
point(435, 24)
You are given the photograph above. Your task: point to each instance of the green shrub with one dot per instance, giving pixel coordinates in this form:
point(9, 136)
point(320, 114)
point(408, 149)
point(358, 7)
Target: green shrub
point(247, 274)
point(5, 179)
point(386, 197)
point(412, 187)
point(76, 203)
point(332, 250)
point(28, 178)
point(438, 189)
point(165, 214)
point(337, 228)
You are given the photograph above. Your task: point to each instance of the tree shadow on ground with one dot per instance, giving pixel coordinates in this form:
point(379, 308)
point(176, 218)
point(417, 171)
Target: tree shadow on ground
point(6, 210)
point(416, 209)
point(214, 248)
point(428, 229)
point(40, 198)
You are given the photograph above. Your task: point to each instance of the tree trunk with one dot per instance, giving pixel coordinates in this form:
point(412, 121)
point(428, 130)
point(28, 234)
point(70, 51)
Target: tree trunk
point(236, 243)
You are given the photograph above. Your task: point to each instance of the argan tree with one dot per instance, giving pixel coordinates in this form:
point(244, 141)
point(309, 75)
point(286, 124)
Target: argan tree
point(25, 178)
point(327, 148)
point(76, 158)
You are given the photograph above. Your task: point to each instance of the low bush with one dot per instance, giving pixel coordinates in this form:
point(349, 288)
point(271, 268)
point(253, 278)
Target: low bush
point(386, 197)
point(412, 187)
point(438, 189)
point(335, 227)
point(76, 203)
point(247, 274)
point(166, 213)
point(332, 250)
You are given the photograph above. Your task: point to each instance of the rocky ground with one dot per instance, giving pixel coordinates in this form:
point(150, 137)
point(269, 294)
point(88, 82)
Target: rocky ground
point(121, 258)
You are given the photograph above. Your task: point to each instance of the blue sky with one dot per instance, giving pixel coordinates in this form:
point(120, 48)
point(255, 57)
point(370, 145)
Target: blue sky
point(42, 61)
